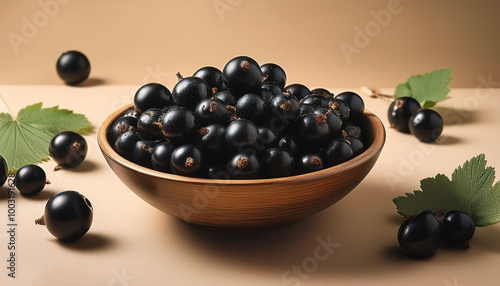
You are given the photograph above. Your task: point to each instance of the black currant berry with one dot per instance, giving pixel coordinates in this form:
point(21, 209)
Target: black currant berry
point(309, 163)
point(272, 86)
point(187, 160)
point(243, 75)
point(285, 108)
point(267, 138)
point(274, 73)
point(226, 96)
point(357, 145)
point(152, 95)
point(459, 229)
point(212, 140)
point(337, 151)
point(290, 144)
point(339, 107)
point(355, 103)
point(121, 125)
point(149, 124)
point(161, 156)
point(141, 154)
point(400, 111)
point(322, 92)
point(73, 67)
point(313, 130)
point(250, 106)
point(125, 144)
point(4, 170)
point(68, 149)
point(30, 180)
point(426, 124)
point(277, 162)
point(241, 133)
point(179, 125)
point(188, 91)
point(213, 76)
point(211, 111)
point(298, 90)
point(244, 166)
point(420, 235)
point(68, 215)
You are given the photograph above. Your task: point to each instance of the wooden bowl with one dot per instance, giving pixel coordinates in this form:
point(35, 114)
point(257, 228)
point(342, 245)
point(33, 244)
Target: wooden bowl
point(245, 205)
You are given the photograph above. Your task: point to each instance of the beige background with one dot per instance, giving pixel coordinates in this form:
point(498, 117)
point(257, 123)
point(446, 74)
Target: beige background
point(132, 41)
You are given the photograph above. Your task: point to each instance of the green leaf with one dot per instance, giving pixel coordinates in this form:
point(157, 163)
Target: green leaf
point(428, 89)
point(25, 140)
point(470, 190)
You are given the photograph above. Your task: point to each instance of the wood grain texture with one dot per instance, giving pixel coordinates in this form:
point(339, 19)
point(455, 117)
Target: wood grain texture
point(245, 205)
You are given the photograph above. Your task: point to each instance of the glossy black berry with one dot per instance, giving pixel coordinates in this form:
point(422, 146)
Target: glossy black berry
point(298, 90)
point(211, 111)
point(213, 76)
point(179, 125)
point(399, 112)
point(289, 143)
point(68, 215)
point(459, 229)
point(241, 133)
point(243, 75)
point(121, 125)
point(426, 124)
point(339, 107)
point(152, 95)
point(337, 151)
point(149, 124)
point(267, 138)
point(68, 149)
point(420, 236)
point(250, 106)
point(73, 67)
point(272, 72)
point(277, 162)
point(141, 154)
point(189, 91)
point(212, 140)
point(272, 86)
point(161, 156)
point(4, 170)
point(284, 108)
point(322, 92)
point(244, 166)
point(125, 144)
point(226, 96)
point(313, 130)
point(30, 180)
point(309, 163)
point(355, 103)
point(187, 160)
point(357, 145)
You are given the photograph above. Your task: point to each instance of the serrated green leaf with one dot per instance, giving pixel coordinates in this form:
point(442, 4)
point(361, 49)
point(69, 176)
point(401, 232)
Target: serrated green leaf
point(470, 190)
point(428, 89)
point(25, 140)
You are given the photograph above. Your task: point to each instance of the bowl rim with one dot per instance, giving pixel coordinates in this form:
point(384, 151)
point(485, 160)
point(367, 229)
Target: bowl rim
point(107, 150)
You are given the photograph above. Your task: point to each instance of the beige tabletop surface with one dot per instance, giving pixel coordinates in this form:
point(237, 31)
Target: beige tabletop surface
point(339, 45)
point(132, 243)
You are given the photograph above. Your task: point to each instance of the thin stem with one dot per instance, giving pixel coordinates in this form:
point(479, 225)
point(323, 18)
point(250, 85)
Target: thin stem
point(376, 94)
point(6, 105)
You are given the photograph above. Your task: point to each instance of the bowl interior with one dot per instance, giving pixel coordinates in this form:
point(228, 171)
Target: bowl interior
point(245, 204)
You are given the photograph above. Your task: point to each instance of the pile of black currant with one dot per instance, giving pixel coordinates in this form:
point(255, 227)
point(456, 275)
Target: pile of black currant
point(241, 122)
point(406, 115)
point(68, 214)
point(421, 235)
